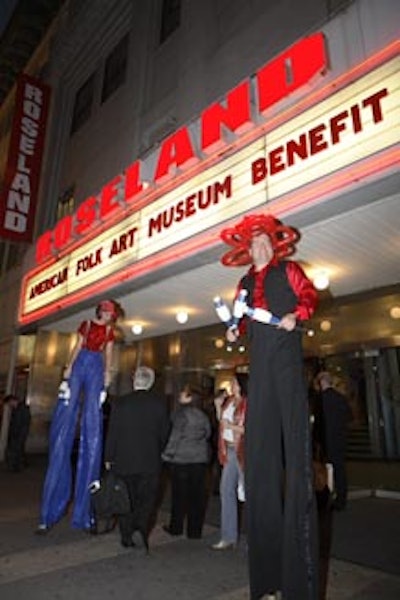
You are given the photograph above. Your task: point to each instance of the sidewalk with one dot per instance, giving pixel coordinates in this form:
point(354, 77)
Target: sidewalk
point(68, 564)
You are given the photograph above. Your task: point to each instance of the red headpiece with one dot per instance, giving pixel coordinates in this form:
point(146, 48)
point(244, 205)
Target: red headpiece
point(283, 239)
point(108, 306)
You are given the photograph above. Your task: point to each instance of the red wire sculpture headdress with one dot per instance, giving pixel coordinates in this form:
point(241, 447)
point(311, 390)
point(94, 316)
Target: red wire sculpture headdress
point(108, 306)
point(283, 239)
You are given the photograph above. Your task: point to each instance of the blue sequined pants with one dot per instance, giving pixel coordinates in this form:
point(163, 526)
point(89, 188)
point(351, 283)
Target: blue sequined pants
point(86, 383)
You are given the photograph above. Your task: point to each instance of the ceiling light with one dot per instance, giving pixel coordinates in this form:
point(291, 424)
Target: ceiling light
point(219, 343)
point(137, 329)
point(310, 332)
point(395, 312)
point(326, 325)
point(182, 317)
point(321, 280)
point(241, 349)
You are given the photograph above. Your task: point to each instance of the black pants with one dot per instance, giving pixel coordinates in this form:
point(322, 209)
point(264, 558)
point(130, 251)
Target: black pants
point(188, 498)
point(143, 489)
point(280, 501)
point(15, 457)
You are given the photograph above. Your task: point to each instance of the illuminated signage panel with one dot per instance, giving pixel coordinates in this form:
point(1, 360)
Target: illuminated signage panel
point(355, 123)
point(19, 191)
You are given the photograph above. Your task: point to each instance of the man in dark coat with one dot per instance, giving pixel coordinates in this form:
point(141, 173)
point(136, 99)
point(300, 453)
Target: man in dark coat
point(336, 414)
point(280, 501)
point(18, 430)
point(137, 433)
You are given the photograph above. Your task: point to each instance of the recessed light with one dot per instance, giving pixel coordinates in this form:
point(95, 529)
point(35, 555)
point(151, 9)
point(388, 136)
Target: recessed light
point(326, 325)
point(321, 280)
point(395, 312)
point(182, 317)
point(137, 329)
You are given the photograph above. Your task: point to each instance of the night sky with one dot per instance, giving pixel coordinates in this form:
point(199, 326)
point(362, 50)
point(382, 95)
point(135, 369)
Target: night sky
point(6, 9)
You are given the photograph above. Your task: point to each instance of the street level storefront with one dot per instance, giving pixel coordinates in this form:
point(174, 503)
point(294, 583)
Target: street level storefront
point(287, 140)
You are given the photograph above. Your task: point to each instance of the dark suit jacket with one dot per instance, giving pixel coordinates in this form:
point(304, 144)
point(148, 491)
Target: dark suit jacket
point(137, 433)
point(336, 415)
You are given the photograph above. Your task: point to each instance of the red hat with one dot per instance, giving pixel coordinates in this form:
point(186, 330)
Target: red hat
point(108, 306)
point(283, 239)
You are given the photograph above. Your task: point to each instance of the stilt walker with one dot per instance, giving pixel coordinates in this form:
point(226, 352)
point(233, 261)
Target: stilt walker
point(83, 391)
point(280, 500)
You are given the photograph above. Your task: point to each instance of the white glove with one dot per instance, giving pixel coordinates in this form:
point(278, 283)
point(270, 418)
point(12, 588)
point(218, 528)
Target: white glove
point(102, 397)
point(64, 392)
point(94, 486)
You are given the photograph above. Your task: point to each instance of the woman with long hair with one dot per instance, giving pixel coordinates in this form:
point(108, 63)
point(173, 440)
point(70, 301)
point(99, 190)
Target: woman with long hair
point(231, 457)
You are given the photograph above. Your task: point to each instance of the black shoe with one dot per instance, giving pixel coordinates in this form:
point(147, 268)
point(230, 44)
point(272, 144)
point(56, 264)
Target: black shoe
point(92, 530)
point(194, 536)
point(140, 542)
point(170, 532)
point(42, 529)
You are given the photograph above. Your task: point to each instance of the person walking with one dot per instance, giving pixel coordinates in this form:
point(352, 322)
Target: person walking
point(137, 433)
point(280, 500)
point(336, 414)
point(86, 378)
point(231, 457)
point(188, 454)
point(18, 430)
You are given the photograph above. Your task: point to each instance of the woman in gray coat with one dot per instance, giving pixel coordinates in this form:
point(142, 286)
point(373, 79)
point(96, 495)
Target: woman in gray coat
point(188, 453)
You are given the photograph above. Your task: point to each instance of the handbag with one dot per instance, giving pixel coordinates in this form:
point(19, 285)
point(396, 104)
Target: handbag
point(320, 475)
point(110, 496)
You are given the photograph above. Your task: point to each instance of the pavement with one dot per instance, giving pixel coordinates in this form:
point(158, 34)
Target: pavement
point(69, 564)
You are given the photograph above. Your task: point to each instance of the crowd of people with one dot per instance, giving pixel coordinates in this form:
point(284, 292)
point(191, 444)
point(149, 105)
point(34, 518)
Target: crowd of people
point(259, 431)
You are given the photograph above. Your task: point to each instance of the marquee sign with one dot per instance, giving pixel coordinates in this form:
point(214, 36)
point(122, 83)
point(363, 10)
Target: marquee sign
point(285, 74)
point(357, 122)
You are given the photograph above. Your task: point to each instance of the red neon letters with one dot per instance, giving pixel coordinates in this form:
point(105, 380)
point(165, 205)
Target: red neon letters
point(277, 79)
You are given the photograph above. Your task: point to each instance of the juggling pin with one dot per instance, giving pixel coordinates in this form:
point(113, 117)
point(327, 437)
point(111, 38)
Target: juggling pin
point(265, 316)
point(262, 316)
point(239, 308)
point(223, 311)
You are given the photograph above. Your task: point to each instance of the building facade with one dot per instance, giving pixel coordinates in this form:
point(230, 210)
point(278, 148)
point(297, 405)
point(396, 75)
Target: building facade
point(165, 121)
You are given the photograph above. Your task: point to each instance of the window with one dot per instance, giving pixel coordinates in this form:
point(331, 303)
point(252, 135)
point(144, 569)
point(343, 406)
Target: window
point(170, 18)
point(66, 203)
point(115, 69)
point(83, 104)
